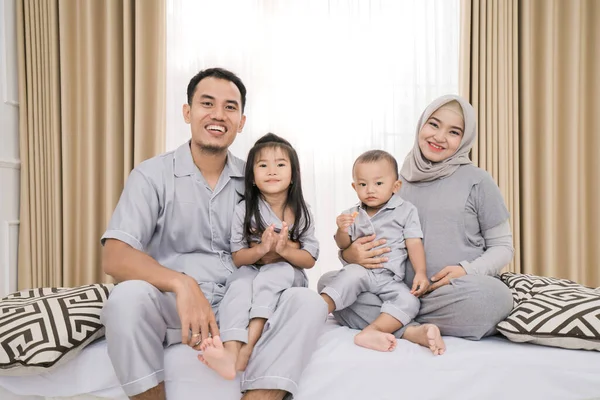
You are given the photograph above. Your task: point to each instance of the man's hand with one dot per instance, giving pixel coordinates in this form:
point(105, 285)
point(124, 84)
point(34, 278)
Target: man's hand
point(443, 277)
point(420, 285)
point(195, 313)
point(362, 251)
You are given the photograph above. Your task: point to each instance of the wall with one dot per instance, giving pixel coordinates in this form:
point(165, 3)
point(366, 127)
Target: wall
point(9, 148)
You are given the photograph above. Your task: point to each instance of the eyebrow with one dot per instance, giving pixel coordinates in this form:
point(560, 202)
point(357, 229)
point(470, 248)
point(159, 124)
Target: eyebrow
point(454, 127)
point(209, 97)
point(277, 159)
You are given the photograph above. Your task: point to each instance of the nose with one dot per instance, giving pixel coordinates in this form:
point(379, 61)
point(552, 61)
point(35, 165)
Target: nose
point(439, 135)
point(217, 114)
point(370, 188)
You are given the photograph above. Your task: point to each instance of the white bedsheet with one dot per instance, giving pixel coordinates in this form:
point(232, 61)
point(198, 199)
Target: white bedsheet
point(493, 368)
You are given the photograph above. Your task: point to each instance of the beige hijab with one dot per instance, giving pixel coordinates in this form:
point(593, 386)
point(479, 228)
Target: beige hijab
point(417, 168)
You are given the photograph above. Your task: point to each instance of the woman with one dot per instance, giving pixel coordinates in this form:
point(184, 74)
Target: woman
point(467, 235)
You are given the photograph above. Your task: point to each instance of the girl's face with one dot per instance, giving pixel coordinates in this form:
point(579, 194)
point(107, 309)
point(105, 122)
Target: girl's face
point(441, 135)
point(272, 171)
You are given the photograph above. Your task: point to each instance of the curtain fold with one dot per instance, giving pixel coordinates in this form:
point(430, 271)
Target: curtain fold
point(560, 115)
point(489, 79)
point(93, 90)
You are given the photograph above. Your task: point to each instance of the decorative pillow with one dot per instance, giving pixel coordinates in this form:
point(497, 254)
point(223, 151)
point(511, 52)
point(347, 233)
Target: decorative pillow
point(46, 327)
point(552, 312)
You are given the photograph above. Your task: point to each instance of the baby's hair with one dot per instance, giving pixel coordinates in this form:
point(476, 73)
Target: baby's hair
point(295, 198)
point(376, 155)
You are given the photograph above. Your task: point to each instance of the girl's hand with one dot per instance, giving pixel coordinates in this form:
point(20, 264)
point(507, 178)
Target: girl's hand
point(420, 285)
point(281, 239)
point(268, 239)
point(443, 277)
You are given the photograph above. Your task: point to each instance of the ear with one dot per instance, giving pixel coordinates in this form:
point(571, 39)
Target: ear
point(242, 123)
point(397, 186)
point(354, 186)
point(186, 110)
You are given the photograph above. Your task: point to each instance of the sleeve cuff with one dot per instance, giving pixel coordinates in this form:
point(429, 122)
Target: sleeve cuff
point(123, 237)
point(468, 268)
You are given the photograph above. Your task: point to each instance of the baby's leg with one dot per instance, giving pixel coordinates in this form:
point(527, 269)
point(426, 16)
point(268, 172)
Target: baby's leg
point(400, 303)
point(344, 289)
point(255, 329)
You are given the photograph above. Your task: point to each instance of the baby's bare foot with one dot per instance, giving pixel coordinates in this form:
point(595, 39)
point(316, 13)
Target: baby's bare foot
point(219, 359)
point(243, 357)
point(434, 339)
point(375, 340)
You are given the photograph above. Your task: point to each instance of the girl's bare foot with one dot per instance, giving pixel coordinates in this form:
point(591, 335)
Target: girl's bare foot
point(375, 340)
point(243, 357)
point(427, 335)
point(218, 358)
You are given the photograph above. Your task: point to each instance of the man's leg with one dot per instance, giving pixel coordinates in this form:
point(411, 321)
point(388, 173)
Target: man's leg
point(286, 345)
point(137, 316)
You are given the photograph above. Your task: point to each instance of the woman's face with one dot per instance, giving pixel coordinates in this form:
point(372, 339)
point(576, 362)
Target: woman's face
point(441, 135)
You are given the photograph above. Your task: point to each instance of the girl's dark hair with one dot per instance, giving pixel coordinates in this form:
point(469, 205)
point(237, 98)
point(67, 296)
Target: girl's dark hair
point(295, 198)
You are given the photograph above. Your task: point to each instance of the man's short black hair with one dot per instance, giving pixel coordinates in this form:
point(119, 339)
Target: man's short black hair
point(219, 73)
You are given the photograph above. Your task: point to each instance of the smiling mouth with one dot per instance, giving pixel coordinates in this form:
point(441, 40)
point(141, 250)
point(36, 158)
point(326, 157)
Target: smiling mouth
point(435, 147)
point(216, 129)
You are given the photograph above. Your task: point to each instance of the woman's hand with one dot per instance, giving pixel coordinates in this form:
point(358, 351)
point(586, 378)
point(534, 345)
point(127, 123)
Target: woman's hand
point(362, 251)
point(420, 285)
point(443, 277)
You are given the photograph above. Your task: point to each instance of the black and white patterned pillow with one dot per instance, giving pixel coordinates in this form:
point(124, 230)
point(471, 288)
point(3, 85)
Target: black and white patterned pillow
point(552, 312)
point(45, 327)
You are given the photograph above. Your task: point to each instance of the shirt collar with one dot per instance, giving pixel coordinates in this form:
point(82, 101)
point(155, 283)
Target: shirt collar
point(184, 163)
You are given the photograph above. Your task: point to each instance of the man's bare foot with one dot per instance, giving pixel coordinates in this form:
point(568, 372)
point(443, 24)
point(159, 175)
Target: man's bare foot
point(243, 357)
point(427, 335)
point(375, 340)
point(218, 358)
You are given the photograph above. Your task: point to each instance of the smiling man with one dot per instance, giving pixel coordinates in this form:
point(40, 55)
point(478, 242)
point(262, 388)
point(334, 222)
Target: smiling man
point(168, 243)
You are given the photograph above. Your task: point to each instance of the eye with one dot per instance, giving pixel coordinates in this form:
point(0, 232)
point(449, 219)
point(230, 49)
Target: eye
point(362, 184)
point(457, 133)
point(434, 124)
point(281, 164)
point(206, 104)
point(262, 165)
point(231, 108)
point(379, 183)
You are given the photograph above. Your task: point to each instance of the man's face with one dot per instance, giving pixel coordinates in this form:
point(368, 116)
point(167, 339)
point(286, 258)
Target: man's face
point(215, 115)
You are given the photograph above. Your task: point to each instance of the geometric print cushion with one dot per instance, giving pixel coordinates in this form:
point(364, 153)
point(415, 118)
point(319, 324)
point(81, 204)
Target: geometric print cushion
point(524, 286)
point(46, 327)
point(553, 312)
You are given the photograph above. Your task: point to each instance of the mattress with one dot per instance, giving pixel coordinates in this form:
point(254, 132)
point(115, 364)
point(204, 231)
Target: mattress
point(493, 368)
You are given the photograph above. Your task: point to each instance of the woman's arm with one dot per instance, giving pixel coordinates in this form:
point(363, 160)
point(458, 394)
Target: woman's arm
point(363, 251)
point(499, 252)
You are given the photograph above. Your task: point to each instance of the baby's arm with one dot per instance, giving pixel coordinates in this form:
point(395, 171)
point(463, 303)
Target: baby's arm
point(416, 253)
point(342, 237)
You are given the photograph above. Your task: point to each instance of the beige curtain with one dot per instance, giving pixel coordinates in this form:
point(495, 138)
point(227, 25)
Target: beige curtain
point(489, 79)
point(560, 140)
point(92, 90)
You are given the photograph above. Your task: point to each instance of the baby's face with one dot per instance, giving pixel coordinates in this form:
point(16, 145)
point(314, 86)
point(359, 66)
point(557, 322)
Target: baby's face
point(375, 182)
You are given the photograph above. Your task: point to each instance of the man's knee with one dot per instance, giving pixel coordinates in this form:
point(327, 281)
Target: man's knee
point(128, 302)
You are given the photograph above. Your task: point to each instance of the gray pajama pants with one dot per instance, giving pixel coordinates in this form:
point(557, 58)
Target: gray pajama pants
point(469, 307)
point(141, 321)
point(352, 280)
point(253, 292)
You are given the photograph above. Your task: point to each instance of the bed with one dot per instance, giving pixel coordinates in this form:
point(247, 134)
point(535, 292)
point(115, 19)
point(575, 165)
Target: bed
point(493, 368)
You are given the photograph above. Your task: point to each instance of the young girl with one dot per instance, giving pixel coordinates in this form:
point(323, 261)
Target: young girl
point(272, 241)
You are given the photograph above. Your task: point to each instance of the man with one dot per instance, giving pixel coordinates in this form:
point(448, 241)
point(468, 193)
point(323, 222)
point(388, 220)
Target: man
point(168, 245)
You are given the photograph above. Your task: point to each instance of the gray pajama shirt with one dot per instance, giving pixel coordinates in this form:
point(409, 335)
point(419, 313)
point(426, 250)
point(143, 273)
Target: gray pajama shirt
point(168, 211)
point(396, 221)
point(254, 291)
point(462, 217)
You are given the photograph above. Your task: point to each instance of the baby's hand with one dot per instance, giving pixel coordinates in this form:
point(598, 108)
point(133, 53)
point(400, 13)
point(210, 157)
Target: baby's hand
point(268, 239)
point(344, 221)
point(420, 285)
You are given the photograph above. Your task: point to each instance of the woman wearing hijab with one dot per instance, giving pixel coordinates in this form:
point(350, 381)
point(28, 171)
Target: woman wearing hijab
point(467, 235)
